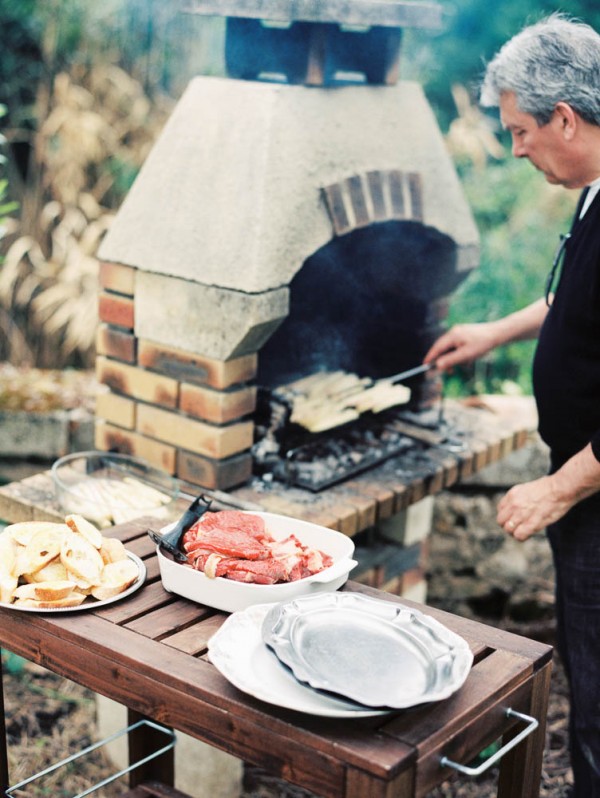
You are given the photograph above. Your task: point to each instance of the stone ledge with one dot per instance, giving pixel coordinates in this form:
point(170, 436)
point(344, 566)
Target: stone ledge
point(529, 462)
point(45, 435)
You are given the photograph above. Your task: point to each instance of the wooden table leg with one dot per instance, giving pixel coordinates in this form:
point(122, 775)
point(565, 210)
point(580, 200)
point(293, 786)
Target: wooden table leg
point(4, 782)
point(361, 785)
point(142, 742)
point(521, 768)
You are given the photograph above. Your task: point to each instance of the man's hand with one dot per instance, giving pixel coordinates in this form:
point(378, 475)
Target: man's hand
point(463, 343)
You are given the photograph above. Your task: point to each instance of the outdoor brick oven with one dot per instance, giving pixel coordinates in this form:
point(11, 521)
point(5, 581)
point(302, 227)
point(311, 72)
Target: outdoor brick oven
point(302, 214)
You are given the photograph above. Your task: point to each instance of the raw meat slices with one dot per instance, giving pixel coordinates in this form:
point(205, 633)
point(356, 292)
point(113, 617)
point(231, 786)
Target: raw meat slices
point(238, 546)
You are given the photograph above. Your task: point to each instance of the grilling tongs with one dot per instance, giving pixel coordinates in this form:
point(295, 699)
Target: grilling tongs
point(170, 540)
point(405, 375)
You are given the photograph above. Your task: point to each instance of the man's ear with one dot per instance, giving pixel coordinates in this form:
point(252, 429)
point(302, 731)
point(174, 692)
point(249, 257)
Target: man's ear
point(567, 119)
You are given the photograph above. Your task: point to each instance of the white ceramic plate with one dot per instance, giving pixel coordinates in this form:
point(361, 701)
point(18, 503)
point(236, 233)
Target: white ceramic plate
point(375, 652)
point(91, 603)
point(238, 652)
point(231, 596)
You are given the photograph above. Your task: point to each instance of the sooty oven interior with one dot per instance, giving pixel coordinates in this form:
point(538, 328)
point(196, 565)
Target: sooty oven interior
point(315, 217)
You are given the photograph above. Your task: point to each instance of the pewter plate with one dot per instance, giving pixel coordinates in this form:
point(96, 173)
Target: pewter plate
point(377, 653)
point(238, 652)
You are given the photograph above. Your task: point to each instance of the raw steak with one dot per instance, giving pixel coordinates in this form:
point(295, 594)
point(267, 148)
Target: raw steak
point(237, 546)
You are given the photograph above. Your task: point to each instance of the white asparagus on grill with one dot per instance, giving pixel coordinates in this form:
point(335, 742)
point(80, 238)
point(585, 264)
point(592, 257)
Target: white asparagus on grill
point(325, 400)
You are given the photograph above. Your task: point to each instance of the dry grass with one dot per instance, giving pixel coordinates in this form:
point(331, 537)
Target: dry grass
point(98, 131)
point(470, 136)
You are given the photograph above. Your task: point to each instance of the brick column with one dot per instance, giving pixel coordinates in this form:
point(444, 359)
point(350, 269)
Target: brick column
point(184, 413)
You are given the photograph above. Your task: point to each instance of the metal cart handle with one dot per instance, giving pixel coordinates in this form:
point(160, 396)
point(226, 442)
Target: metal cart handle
point(477, 771)
point(169, 733)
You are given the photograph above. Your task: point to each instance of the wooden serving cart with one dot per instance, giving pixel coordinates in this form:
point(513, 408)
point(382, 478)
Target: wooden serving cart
point(148, 652)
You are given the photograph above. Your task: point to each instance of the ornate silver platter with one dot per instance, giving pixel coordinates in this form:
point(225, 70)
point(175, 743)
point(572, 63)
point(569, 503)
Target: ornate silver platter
point(377, 653)
point(237, 650)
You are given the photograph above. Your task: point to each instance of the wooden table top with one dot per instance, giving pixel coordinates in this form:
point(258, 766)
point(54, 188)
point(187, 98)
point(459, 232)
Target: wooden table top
point(149, 653)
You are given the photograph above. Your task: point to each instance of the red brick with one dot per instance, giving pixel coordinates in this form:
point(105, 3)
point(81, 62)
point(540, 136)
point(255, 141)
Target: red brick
point(119, 410)
point(116, 343)
point(192, 435)
point(137, 383)
point(217, 406)
point(110, 438)
point(117, 277)
point(116, 309)
point(189, 367)
point(214, 474)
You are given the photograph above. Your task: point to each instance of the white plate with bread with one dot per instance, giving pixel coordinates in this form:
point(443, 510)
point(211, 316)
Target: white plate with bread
point(64, 567)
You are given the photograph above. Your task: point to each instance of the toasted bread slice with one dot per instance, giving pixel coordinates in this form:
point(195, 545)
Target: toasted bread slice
point(55, 571)
point(8, 584)
point(77, 523)
point(45, 591)
point(84, 585)
point(23, 531)
point(116, 577)
point(81, 558)
point(22, 562)
point(112, 550)
point(44, 546)
point(74, 599)
point(8, 555)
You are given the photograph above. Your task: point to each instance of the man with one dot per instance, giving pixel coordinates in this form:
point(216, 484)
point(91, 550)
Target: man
point(546, 82)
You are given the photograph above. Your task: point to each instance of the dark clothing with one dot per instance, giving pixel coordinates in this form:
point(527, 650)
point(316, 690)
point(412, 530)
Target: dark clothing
point(575, 541)
point(566, 368)
point(566, 378)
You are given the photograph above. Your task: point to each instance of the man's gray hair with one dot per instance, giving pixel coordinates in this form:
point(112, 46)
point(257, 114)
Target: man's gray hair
point(554, 60)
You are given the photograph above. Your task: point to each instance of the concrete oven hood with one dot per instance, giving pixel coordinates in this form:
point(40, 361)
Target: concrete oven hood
point(300, 215)
point(233, 199)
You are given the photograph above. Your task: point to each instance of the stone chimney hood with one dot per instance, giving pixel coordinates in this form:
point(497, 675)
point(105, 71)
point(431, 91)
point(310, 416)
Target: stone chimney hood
point(232, 193)
point(312, 138)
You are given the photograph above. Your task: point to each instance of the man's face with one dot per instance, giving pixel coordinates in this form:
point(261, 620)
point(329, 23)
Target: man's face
point(546, 146)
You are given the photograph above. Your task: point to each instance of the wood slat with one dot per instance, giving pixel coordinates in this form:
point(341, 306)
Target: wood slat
point(194, 639)
point(150, 597)
point(142, 546)
point(164, 620)
point(154, 790)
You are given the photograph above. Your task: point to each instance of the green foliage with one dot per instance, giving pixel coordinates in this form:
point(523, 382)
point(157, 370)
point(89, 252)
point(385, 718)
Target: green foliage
point(519, 217)
point(13, 663)
point(6, 207)
point(474, 31)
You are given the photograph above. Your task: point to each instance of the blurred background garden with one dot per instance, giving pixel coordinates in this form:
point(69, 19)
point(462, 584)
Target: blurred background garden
point(86, 89)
